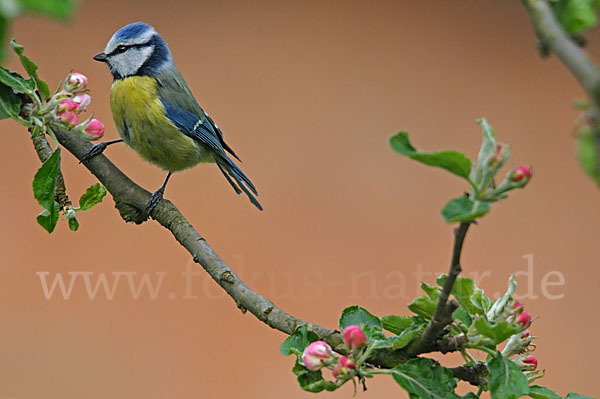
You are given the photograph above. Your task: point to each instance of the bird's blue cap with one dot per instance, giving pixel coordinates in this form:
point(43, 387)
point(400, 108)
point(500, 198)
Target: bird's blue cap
point(132, 30)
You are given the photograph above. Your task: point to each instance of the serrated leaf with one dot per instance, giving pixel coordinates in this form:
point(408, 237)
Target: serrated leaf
point(16, 81)
point(539, 392)
point(575, 16)
point(488, 142)
point(44, 180)
point(432, 291)
point(425, 379)
point(31, 69)
point(453, 161)
point(587, 154)
point(408, 335)
point(312, 381)
point(10, 104)
point(48, 218)
point(462, 315)
point(506, 379)
point(92, 196)
point(61, 9)
point(498, 331)
point(396, 324)
point(359, 316)
point(423, 306)
point(463, 209)
point(298, 341)
point(468, 295)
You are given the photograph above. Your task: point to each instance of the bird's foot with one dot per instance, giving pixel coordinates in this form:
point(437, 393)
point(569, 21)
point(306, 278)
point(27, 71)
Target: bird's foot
point(96, 149)
point(154, 200)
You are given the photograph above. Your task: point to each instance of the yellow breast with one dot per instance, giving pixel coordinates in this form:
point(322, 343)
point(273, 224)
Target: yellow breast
point(140, 119)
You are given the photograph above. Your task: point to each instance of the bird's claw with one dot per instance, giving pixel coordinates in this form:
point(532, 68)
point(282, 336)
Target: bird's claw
point(96, 149)
point(154, 200)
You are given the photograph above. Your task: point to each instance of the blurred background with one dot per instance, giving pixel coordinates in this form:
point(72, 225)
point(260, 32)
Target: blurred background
point(307, 93)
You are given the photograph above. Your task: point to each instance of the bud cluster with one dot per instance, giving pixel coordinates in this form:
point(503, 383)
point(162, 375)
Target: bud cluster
point(520, 345)
point(319, 354)
point(67, 104)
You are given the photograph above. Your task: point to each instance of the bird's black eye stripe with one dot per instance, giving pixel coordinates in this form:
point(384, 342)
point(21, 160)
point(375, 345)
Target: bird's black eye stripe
point(123, 47)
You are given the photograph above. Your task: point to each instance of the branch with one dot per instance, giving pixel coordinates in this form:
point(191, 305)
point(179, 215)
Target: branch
point(444, 309)
point(555, 39)
point(131, 199)
point(474, 375)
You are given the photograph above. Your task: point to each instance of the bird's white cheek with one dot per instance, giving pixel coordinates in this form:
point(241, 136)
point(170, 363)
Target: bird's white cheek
point(128, 63)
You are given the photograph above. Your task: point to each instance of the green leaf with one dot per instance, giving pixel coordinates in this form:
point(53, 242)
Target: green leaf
point(4, 22)
point(453, 161)
point(431, 290)
point(425, 379)
point(573, 395)
point(488, 143)
point(539, 392)
point(506, 379)
point(61, 9)
point(48, 218)
point(31, 69)
point(396, 324)
point(408, 335)
point(359, 316)
point(463, 209)
point(92, 196)
point(423, 306)
point(461, 314)
point(312, 381)
point(587, 154)
point(468, 295)
point(16, 81)
point(298, 341)
point(498, 331)
point(10, 103)
point(44, 180)
point(575, 16)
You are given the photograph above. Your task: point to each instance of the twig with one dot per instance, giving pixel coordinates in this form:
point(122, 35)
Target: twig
point(444, 309)
point(556, 40)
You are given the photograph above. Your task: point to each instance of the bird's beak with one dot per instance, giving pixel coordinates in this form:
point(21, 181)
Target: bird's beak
point(100, 57)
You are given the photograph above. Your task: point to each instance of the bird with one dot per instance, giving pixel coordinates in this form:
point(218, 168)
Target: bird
point(157, 115)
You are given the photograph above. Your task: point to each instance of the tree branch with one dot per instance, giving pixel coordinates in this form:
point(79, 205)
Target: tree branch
point(444, 309)
point(556, 40)
point(131, 199)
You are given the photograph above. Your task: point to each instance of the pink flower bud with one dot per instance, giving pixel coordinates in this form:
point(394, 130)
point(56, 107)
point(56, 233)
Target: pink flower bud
point(525, 334)
point(82, 100)
point(532, 361)
point(517, 305)
point(95, 129)
point(67, 112)
point(521, 172)
point(524, 319)
point(316, 355)
point(67, 105)
point(343, 367)
point(354, 337)
point(77, 81)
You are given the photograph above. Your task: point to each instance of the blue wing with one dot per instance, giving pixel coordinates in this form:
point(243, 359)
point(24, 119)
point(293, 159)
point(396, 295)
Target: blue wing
point(205, 132)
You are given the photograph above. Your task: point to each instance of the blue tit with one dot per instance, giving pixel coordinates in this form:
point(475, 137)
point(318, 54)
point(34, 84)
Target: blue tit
point(156, 113)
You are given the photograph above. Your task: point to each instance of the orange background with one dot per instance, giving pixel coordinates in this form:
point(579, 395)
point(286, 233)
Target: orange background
point(307, 92)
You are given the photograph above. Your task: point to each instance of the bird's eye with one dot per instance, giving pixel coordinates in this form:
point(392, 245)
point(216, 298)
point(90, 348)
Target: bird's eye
point(121, 48)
